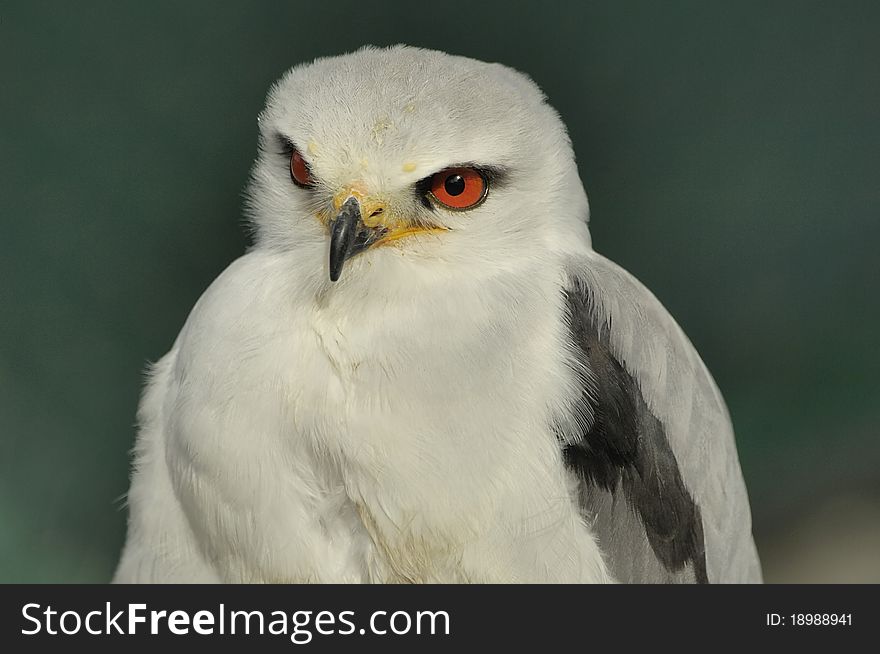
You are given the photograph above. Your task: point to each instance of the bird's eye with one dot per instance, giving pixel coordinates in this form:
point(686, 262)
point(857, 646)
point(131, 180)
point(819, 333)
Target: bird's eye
point(459, 188)
point(299, 170)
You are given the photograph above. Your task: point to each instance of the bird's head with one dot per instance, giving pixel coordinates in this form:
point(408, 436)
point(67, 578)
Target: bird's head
point(388, 162)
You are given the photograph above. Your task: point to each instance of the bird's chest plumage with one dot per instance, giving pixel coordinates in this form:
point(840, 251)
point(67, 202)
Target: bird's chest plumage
point(405, 386)
point(392, 434)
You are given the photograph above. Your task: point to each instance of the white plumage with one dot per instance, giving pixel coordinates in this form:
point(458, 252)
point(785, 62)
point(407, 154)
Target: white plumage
point(410, 421)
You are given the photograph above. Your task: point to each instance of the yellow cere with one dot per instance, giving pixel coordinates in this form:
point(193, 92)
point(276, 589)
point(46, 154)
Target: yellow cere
point(370, 207)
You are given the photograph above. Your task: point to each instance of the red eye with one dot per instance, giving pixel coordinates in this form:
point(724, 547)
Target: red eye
point(459, 188)
point(299, 170)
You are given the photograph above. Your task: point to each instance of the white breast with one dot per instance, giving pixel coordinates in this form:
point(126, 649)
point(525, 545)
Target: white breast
point(362, 433)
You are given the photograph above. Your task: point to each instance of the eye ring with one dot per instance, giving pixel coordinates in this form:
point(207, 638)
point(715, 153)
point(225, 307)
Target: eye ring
point(300, 172)
point(458, 188)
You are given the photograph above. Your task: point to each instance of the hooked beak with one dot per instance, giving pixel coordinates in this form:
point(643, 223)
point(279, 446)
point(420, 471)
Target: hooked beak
point(351, 232)
point(343, 236)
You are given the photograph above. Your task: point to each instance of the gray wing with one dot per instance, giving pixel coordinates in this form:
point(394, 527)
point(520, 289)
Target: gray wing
point(650, 439)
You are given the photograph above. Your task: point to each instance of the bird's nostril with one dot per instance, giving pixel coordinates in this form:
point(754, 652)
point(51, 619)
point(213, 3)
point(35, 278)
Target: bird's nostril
point(377, 212)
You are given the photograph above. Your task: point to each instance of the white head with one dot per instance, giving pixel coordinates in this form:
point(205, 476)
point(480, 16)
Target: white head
point(390, 166)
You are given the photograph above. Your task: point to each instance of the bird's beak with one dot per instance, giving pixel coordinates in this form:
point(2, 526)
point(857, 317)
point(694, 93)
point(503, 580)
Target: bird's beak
point(358, 224)
point(343, 235)
point(361, 223)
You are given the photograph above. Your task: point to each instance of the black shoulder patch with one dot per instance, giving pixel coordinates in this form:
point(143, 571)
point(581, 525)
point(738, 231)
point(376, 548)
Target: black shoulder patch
point(625, 448)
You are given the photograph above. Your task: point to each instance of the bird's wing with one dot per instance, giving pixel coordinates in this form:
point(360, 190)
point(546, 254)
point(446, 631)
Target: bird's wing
point(160, 546)
point(651, 441)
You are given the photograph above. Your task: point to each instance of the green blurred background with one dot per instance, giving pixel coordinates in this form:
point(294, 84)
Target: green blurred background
point(731, 152)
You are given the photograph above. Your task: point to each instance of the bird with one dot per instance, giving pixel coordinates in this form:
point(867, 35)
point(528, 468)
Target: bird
point(420, 371)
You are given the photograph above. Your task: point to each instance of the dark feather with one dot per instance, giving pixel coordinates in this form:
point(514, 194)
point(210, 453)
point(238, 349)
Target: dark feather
point(622, 450)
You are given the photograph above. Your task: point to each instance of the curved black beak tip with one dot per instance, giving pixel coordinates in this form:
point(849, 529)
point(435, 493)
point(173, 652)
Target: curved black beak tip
point(343, 229)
